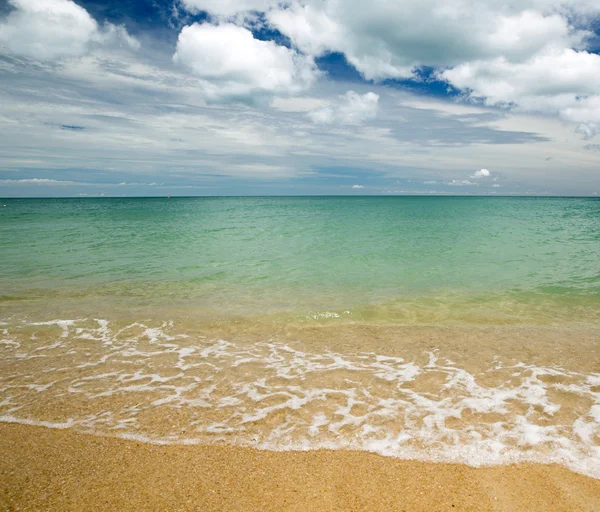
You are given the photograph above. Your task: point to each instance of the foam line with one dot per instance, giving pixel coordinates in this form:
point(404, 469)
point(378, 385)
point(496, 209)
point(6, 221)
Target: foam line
point(152, 384)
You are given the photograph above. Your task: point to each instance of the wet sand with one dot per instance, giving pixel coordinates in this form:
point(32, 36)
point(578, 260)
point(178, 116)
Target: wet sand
point(45, 469)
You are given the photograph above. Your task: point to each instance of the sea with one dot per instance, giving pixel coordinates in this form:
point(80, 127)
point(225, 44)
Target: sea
point(450, 329)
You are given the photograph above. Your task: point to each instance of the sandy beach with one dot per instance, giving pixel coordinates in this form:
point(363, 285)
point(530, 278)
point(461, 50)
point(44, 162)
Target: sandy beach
point(46, 469)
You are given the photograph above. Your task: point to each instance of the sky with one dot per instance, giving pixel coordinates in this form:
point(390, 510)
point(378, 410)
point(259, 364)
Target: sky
point(295, 97)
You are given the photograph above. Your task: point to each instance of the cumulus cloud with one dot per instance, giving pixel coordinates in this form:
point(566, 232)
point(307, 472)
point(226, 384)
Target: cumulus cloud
point(588, 130)
point(47, 29)
point(351, 108)
point(358, 186)
point(530, 55)
point(551, 74)
point(54, 29)
point(233, 64)
point(561, 81)
point(482, 173)
point(385, 39)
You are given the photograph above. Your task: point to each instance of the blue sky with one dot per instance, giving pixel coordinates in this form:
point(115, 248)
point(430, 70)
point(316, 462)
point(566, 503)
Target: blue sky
point(213, 97)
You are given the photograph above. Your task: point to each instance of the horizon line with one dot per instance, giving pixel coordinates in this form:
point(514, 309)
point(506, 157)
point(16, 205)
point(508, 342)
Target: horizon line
point(171, 196)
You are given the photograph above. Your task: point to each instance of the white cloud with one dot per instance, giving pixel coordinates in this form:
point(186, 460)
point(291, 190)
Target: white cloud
point(47, 29)
point(385, 39)
point(232, 64)
point(527, 55)
point(135, 184)
point(461, 183)
point(146, 121)
point(582, 109)
point(351, 108)
point(37, 181)
point(54, 29)
point(550, 82)
point(116, 35)
point(228, 8)
point(310, 27)
point(588, 130)
point(297, 104)
point(358, 186)
point(482, 173)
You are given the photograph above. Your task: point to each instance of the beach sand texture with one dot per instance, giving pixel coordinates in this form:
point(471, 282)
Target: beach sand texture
point(46, 469)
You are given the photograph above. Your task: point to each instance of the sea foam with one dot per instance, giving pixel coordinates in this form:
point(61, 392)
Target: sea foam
point(152, 384)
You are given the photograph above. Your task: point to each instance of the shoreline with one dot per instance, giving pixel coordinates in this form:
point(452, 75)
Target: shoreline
point(64, 470)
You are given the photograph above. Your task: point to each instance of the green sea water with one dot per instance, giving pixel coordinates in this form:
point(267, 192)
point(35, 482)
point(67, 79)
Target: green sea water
point(391, 258)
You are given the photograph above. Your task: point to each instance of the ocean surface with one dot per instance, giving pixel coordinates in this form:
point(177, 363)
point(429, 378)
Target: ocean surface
point(434, 328)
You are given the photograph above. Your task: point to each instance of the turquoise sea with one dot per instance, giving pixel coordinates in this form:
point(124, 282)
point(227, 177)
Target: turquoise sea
point(461, 329)
point(391, 256)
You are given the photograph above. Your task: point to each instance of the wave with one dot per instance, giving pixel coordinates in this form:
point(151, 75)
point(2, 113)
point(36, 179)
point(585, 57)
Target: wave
point(162, 385)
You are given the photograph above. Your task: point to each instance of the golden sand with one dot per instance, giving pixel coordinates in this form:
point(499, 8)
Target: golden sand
point(44, 469)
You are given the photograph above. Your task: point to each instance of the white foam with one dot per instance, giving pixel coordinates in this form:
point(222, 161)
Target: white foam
point(273, 396)
point(69, 423)
point(7, 341)
point(325, 315)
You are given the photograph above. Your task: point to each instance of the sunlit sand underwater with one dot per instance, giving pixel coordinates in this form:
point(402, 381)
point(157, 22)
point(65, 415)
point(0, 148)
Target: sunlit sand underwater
point(443, 329)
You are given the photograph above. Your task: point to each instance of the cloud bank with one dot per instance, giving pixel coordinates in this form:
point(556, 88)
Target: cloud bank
point(300, 96)
point(532, 55)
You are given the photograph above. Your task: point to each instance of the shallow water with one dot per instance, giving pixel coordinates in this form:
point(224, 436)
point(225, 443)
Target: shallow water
point(255, 255)
point(456, 329)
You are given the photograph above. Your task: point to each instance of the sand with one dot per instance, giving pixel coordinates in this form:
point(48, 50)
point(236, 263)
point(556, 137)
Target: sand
point(45, 469)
